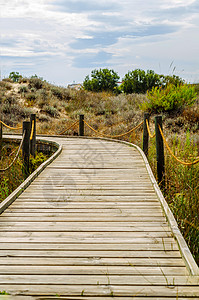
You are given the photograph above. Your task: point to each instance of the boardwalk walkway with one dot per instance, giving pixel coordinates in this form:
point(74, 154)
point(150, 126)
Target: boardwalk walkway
point(91, 226)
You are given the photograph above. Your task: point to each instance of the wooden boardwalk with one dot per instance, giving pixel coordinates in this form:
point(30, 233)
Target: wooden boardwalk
point(91, 226)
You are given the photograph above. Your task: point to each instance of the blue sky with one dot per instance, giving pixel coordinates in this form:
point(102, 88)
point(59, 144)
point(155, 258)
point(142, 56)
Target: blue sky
point(62, 41)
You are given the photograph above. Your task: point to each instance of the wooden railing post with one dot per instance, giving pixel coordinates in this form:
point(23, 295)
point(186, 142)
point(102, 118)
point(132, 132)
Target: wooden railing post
point(33, 141)
point(145, 145)
point(160, 152)
point(81, 125)
point(1, 138)
point(26, 149)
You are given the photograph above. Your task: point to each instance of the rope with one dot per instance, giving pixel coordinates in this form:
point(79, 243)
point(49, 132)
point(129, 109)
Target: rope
point(148, 129)
point(69, 127)
point(12, 128)
point(3, 170)
point(114, 136)
point(169, 149)
point(32, 130)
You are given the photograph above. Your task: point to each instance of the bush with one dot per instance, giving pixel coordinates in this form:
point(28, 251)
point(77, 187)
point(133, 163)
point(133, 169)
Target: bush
point(138, 81)
point(169, 98)
point(23, 89)
point(15, 76)
point(51, 110)
point(36, 83)
point(5, 85)
point(60, 93)
point(102, 80)
point(175, 80)
point(31, 97)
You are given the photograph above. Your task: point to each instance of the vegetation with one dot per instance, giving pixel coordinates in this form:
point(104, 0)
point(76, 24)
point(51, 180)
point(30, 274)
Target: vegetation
point(169, 98)
point(182, 189)
point(15, 76)
point(138, 81)
point(102, 80)
point(12, 178)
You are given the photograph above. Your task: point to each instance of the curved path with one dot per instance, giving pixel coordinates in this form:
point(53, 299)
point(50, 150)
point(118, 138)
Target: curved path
point(92, 225)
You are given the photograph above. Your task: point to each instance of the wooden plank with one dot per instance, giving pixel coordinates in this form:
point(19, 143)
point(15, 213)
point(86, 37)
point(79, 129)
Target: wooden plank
point(91, 253)
point(73, 199)
point(134, 226)
point(54, 217)
point(94, 235)
point(166, 247)
point(82, 214)
point(107, 290)
point(86, 240)
point(34, 266)
point(83, 206)
point(69, 228)
point(105, 279)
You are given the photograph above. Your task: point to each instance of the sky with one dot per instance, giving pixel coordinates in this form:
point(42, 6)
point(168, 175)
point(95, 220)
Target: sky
point(63, 41)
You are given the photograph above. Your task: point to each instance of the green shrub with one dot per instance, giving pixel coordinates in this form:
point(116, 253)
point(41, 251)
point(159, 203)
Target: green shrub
point(169, 98)
point(102, 80)
point(37, 161)
point(15, 76)
point(139, 81)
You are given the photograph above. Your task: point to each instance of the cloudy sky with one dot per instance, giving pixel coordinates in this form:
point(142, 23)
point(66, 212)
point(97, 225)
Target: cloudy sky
point(62, 41)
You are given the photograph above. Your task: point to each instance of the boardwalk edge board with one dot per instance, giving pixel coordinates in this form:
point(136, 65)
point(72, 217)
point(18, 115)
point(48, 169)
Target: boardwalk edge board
point(16, 193)
point(184, 250)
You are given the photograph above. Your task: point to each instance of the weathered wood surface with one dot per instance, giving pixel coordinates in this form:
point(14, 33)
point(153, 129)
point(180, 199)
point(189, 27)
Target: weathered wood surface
point(92, 227)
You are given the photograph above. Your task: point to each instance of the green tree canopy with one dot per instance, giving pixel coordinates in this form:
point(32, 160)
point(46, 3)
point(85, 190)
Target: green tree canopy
point(139, 81)
point(15, 76)
point(101, 80)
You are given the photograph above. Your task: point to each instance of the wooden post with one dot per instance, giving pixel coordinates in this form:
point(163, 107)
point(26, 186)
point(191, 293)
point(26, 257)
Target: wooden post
point(1, 138)
point(81, 125)
point(160, 152)
point(145, 145)
point(33, 141)
point(26, 149)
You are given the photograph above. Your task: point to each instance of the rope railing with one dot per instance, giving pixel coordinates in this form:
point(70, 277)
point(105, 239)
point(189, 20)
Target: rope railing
point(16, 156)
point(9, 127)
point(32, 130)
point(173, 155)
point(73, 125)
point(113, 136)
point(148, 129)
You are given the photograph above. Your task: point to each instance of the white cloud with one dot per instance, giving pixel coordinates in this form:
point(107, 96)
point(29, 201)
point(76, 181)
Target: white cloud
point(120, 34)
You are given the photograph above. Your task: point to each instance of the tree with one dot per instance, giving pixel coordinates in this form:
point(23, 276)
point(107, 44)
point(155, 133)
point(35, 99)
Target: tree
point(137, 81)
point(175, 80)
point(15, 76)
point(101, 80)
